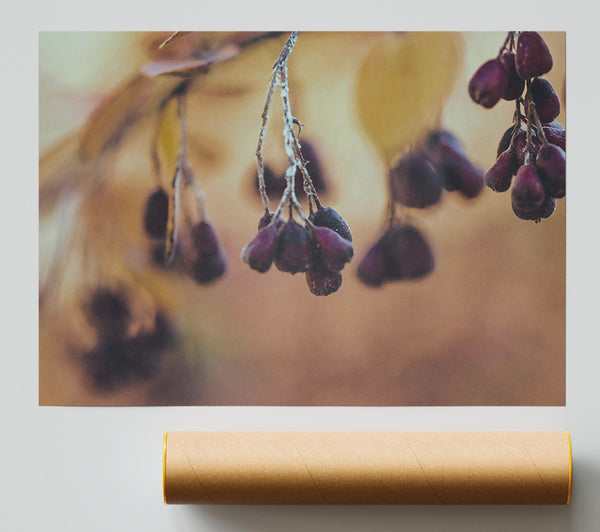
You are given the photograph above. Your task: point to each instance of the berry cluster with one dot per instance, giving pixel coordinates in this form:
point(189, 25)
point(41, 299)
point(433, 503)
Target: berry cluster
point(321, 248)
point(533, 148)
point(118, 358)
point(417, 181)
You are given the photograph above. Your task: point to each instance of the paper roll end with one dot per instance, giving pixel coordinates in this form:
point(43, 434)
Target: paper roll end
point(164, 467)
point(570, 467)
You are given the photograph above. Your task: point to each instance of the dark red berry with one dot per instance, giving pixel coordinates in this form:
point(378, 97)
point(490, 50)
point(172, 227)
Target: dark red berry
point(551, 166)
point(488, 84)
point(294, 248)
point(556, 135)
point(532, 55)
point(205, 270)
point(415, 182)
point(409, 254)
point(515, 84)
point(545, 210)
point(499, 176)
point(546, 101)
point(527, 193)
point(439, 143)
point(333, 250)
point(322, 281)
point(505, 140)
point(327, 217)
point(372, 269)
point(260, 252)
point(156, 214)
point(108, 313)
point(520, 146)
point(266, 220)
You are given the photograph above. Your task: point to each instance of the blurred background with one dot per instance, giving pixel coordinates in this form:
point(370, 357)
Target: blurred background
point(487, 327)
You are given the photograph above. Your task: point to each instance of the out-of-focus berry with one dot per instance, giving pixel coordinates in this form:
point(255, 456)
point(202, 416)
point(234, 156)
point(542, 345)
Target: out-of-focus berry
point(208, 263)
point(156, 214)
point(527, 193)
point(333, 250)
point(515, 84)
point(409, 254)
point(294, 248)
point(551, 166)
point(499, 176)
point(372, 269)
point(415, 182)
point(488, 84)
point(328, 217)
point(546, 101)
point(532, 56)
point(205, 270)
point(260, 251)
point(108, 313)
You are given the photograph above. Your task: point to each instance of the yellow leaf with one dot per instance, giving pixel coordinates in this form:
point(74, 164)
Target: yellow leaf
point(403, 84)
point(169, 138)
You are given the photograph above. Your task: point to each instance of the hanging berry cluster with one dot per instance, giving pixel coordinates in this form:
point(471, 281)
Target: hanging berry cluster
point(322, 245)
point(417, 181)
point(533, 148)
point(174, 225)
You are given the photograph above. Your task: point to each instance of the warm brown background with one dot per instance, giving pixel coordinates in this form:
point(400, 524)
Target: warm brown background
point(486, 328)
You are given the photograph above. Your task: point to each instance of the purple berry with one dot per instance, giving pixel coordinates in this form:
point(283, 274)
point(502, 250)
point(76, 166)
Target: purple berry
point(505, 140)
point(327, 217)
point(414, 181)
point(156, 214)
point(499, 176)
point(528, 191)
point(545, 210)
point(551, 166)
point(409, 254)
point(532, 55)
point(204, 237)
point(372, 269)
point(260, 251)
point(520, 146)
point(556, 135)
point(322, 281)
point(208, 263)
point(488, 84)
point(333, 250)
point(294, 248)
point(515, 84)
point(546, 101)
point(205, 270)
point(266, 220)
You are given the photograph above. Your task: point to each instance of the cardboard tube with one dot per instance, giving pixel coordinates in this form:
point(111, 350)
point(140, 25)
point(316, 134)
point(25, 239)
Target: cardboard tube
point(367, 467)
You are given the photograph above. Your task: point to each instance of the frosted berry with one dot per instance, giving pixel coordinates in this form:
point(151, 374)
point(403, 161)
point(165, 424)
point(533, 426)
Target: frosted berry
point(555, 134)
point(415, 182)
point(499, 176)
point(527, 194)
point(328, 217)
point(488, 84)
point(294, 248)
point(532, 55)
point(333, 250)
point(546, 101)
point(551, 166)
point(410, 256)
point(372, 269)
point(322, 281)
point(156, 214)
point(545, 210)
point(260, 252)
point(515, 84)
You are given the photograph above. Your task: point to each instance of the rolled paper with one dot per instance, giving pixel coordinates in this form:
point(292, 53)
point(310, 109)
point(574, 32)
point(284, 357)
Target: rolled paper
point(367, 467)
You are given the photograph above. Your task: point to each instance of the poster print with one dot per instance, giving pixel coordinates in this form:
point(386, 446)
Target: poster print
point(322, 218)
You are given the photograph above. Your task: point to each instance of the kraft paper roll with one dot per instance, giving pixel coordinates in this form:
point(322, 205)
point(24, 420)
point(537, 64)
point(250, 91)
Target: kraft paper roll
point(367, 467)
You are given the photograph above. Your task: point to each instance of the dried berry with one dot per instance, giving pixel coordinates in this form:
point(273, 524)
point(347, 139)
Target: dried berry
point(409, 254)
point(551, 166)
point(415, 182)
point(156, 214)
point(333, 250)
point(555, 134)
point(488, 84)
point(545, 210)
point(546, 101)
point(322, 281)
point(294, 248)
point(505, 140)
point(327, 217)
point(532, 55)
point(260, 252)
point(515, 84)
point(499, 176)
point(372, 269)
point(527, 193)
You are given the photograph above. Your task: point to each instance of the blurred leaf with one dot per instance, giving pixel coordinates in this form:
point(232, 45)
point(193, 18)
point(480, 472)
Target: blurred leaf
point(403, 84)
point(169, 138)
